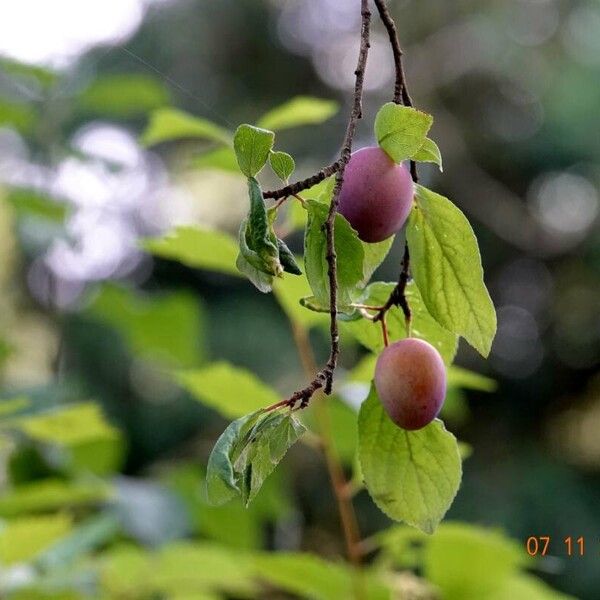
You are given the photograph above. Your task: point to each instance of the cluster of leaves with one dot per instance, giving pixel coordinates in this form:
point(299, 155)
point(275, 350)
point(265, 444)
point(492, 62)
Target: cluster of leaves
point(66, 525)
point(414, 477)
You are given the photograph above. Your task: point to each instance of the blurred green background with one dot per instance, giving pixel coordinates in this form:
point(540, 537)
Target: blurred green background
point(91, 321)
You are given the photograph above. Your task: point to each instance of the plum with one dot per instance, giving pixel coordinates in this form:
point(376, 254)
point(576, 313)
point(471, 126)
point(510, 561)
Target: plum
point(376, 195)
point(410, 379)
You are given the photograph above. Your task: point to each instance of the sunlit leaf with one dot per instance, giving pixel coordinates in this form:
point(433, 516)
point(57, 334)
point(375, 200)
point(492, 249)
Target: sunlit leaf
point(429, 152)
point(19, 116)
point(412, 476)
point(446, 266)
point(289, 291)
point(198, 248)
point(252, 146)
point(401, 130)
point(301, 110)
point(309, 576)
point(283, 164)
point(469, 380)
point(23, 539)
point(423, 325)
point(231, 390)
point(168, 124)
point(52, 494)
point(28, 202)
point(469, 562)
point(222, 159)
point(123, 95)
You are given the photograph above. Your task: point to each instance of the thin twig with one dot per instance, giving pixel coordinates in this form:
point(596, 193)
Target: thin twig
point(295, 188)
point(355, 115)
point(324, 378)
point(401, 96)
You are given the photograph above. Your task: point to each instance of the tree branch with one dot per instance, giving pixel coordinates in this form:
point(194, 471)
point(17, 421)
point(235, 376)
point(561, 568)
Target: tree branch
point(304, 184)
point(324, 378)
point(401, 96)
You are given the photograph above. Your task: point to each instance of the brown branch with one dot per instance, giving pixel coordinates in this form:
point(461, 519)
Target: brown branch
point(398, 297)
point(324, 378)
point(401, 96)
point(336, 475)
point(295, 188)
point(355, 114)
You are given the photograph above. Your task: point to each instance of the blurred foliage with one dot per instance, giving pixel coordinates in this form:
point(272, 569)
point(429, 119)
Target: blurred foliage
point(113, 392)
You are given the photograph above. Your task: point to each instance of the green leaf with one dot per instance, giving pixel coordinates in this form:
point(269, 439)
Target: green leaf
point(231, 390)
point(67, 425)
point(527, 587)
point(9, 406)
point(163, 328)
point(446, 266)
point(247, 452)
point(186, 570)
point(467, 562)
point(309, 576)
point(429, 152)
point(252, 146)
point(168, 124)
point(221, 479)
point(23, 539)
point(412, 476)
point(374, 255)
point(261, 280)
point(288, 260)
point(350, 257)
point(259, 247)
point(289, 291)
point(20, 116)
point(124, 95)
point(222, 159)
point(29, 202)
point(84, 440)
point(283, 164)
point(301, 110)
point(401, 130)
point(52, 494)
point(259, 233)
point(423, 325)
point(198, 248)
point(469, 380)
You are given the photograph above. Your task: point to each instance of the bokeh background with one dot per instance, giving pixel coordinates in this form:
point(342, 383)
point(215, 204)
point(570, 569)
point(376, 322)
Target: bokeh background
point(87, 315)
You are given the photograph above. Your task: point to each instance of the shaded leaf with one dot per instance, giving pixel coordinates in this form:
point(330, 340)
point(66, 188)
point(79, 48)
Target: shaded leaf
point(247, 452)
point(164, 328)
point(350, 257)
point(288, 261)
